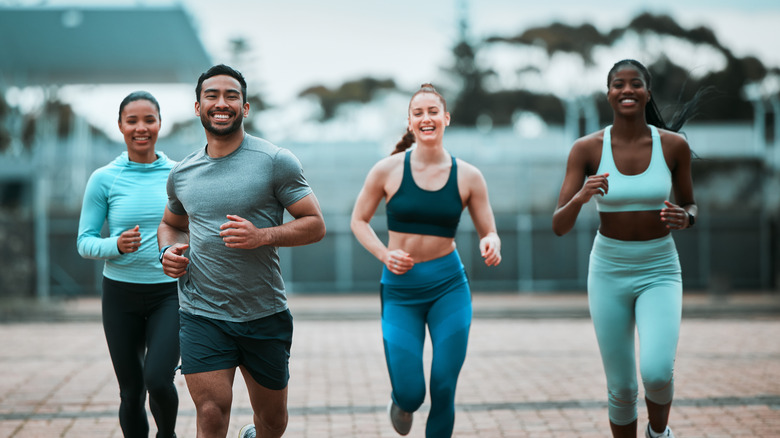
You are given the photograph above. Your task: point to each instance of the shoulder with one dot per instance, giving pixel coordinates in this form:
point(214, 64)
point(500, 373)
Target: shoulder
point(105, 173)
point(388, 164)
point(674, 144)
point(257, 144)
point(590, 142)
point(467, 169)
point(672, 139)
point(190, 158)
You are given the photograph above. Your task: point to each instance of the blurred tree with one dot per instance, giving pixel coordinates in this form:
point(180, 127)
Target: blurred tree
point(361, 91)
point(672, 84)
point(241, 58)
point(5, 134)
point(559, 37)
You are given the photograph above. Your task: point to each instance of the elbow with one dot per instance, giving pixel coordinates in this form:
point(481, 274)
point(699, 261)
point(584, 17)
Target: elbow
point(81, 248)
point(559, 229)
point(319, 232)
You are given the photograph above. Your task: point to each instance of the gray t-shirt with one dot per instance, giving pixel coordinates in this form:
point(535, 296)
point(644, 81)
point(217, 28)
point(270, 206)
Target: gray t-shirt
point(257, 182)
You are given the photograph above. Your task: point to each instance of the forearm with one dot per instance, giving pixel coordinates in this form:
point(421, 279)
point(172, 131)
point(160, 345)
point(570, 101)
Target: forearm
point(368, 238)
point(565, 217)
point(169, 235)
point(300, 231)
point(94, 247)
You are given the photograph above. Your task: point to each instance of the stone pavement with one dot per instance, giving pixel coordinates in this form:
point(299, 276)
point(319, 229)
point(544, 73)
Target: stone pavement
point(532, 370)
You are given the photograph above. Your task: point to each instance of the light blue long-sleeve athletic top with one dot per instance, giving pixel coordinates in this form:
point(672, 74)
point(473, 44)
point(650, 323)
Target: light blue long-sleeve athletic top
point(125, 194)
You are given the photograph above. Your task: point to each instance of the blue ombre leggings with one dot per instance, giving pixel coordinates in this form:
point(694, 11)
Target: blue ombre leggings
point(436, 293)
point(635, 283)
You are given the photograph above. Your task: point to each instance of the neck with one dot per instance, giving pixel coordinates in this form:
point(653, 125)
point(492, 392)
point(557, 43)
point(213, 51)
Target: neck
point(221, 145)
point(430, 152)
point(629, 127)
point(149, 157)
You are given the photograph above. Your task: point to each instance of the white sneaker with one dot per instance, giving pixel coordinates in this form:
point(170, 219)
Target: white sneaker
point(650, 434)
point(401, 420)
point(248, 431)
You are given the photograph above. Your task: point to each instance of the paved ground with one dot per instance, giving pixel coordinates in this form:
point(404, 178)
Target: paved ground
point(532, 371)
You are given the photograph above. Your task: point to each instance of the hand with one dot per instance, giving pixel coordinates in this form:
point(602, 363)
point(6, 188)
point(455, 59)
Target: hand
point(129, 241)
point(674, 216)
point(398, 261)
point(490, 248)
point(240, 233)
point(594, 185)
point(173, 262)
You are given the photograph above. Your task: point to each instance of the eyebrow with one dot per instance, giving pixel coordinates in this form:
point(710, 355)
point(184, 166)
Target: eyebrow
point(216, 90)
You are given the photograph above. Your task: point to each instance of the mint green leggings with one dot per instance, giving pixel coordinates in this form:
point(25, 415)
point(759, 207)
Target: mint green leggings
point(635, 284)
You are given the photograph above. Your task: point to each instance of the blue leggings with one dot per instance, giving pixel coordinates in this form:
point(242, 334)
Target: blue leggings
point(435, 293)
point(636, 284)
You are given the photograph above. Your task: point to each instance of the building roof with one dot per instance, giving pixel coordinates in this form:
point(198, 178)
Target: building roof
point(89, 45)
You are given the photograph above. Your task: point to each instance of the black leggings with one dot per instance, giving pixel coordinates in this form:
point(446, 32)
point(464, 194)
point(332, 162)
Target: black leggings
point(141, 322)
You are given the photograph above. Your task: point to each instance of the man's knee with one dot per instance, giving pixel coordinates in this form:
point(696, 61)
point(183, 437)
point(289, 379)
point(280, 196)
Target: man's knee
point(273, 424)
point(212, 415)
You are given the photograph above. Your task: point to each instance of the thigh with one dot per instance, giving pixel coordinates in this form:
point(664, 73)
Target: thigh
point(124, 326)
point(449, 321)
point(212, 388)
point(205, 346)
point(611, 304)
point(266, 403)
point(658, 316)
point(403, 325)
point(162, 338)
point(265, 349)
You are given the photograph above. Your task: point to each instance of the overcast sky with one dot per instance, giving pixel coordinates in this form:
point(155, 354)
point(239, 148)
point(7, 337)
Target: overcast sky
point(298, 43)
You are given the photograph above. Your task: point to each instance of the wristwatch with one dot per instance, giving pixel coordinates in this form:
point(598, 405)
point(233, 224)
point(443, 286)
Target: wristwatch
point(691, 220)
point(162, 251)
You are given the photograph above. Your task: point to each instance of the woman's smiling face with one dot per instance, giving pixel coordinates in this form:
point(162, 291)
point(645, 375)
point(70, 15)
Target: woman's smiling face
point(427, 117)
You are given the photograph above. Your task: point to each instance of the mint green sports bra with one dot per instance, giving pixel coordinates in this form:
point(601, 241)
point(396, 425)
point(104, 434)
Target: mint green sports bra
point(644, 191)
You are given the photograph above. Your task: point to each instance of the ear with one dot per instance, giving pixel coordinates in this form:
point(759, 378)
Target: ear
point(197, 109)
point(246, 109)
point(447, 119)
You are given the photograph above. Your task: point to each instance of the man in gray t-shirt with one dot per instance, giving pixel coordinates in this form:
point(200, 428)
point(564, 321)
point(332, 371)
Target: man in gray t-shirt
point(219, 237)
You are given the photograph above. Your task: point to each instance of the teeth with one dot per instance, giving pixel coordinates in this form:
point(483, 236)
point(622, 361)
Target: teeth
point(428, 128)
point(142, 138)
point(221, 116)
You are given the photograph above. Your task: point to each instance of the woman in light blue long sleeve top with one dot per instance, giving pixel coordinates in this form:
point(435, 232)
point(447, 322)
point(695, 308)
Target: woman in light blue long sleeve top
point(140, 303)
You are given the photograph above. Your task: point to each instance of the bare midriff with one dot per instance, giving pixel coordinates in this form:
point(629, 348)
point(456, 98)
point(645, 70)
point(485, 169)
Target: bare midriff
point(420, 247)
point(633, 225)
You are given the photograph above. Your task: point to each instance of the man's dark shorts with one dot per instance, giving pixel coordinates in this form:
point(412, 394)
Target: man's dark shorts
point(262, 346)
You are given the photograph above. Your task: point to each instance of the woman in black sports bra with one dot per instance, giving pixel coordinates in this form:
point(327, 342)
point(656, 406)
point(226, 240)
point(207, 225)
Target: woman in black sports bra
point(423, 280)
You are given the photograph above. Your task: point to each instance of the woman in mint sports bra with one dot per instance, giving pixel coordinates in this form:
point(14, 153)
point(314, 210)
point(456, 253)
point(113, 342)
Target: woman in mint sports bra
point(629, 169)
point(423, 280)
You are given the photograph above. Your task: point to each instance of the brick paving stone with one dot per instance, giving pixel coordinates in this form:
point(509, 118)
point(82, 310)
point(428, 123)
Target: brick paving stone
point(523, 377)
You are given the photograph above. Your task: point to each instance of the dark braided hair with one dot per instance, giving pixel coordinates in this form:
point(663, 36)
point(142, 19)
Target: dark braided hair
point(408, 138)
point(652, 114)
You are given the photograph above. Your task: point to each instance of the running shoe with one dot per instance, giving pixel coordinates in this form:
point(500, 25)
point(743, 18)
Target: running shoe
point(247, 431)
point(667, 433)
point(401, 420)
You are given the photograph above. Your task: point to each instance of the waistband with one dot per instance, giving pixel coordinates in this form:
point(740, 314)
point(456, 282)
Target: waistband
point(633, 251)
point(426, 272)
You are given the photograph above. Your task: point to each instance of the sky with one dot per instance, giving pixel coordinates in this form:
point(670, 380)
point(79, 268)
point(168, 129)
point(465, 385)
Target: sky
point(299, 43)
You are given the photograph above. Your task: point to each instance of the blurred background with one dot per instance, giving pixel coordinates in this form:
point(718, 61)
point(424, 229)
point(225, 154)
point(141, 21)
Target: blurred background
point(331, 81)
